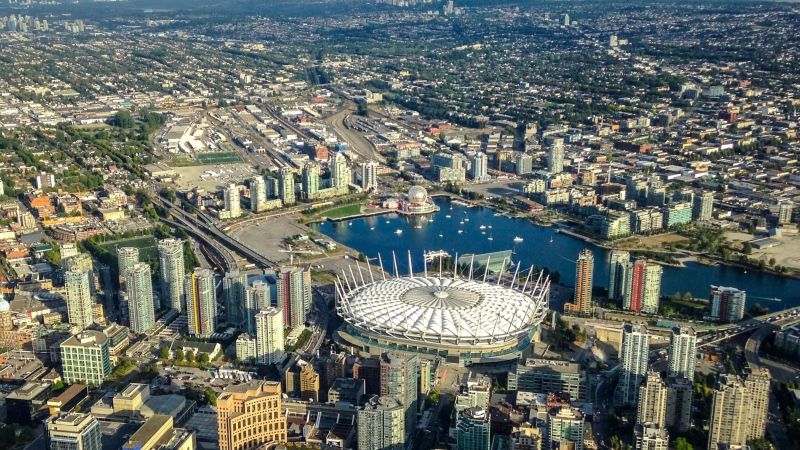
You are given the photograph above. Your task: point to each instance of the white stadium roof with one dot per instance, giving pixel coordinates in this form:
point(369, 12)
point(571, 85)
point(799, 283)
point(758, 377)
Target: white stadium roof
point(443, 310)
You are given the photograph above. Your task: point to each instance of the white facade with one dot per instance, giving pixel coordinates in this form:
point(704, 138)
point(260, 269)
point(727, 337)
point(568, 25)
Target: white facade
point(555, 158)
point(682, 352)
point(269, 336)
point(232, 200)
point(79, 297)
point(634, 363)
point(369, 176)
point(139, 287)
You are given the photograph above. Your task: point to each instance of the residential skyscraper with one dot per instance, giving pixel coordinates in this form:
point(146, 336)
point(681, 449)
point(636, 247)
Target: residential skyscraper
point(170, 262)
point(566, 428)
point(139, 287)
point(294, 294)
point(618, 274)
point(584, 277)
point(644, 291)
point(757, 384)
point(201, 302)
point(310, 180)
point(634, 363)
point(399, 378)
point(703, 206)
point(381, 425)
point(480, 167)
point(250, 415)
point(79, 297)
point(566, 20)
point(369, 176)
point(72, 431)
point(340, 172)
point(682, 352)
point(233, 286)
point(256, 298)
point(82, 262)
point(727, 304)
point(286, 186)
point(473, 431)
point(524, 164)
point(652, 400)
point(232, 200)
point(679, 404)
point(650, 436)
point(269, 336)
point(310, 383)
point(729, 412)
point(258, 194)
point(555, 158)
point(126, 258)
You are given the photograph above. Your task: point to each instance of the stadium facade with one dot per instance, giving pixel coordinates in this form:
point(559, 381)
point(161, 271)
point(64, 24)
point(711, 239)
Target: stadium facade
point(462, 319)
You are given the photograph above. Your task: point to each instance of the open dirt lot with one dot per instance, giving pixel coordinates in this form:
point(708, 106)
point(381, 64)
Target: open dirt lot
point(786, 254)
point(213, 177)
point(267, 236)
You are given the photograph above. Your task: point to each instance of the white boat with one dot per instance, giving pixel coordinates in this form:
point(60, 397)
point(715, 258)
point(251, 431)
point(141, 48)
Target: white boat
point(398, 231)
point(372, 228)
point(483, 232)
point(491, 238)
point(460, 231)
point(462, 222)
point(483, 227)
point(387, 221)
point(496, 214)
point(490, 226)
point(350, 224)
point(441, 235)
point(466, 219)
point(430, 220)
point(517, 239)
point(448, 216)
point(418, 226)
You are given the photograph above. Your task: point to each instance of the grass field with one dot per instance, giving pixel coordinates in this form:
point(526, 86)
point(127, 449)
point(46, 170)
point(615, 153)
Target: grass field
point(344, 211)
point(219, 158)
point(146, 245)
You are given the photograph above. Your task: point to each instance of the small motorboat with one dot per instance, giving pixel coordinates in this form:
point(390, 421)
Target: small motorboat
point(398, 231)
point(517, 239)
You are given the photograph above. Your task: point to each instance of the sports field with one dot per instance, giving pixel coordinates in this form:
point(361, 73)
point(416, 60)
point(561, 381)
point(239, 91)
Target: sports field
point(146, 245)
point(219, 158)
point(344, 211)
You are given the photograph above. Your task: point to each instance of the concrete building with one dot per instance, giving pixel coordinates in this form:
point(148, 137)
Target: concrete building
point(309, 383)
point(682, 352)
point(703, 207)
point(399, 377)
point(258, 194)
point(652, 400)
point(294, 294)
point(232, 200)
point(250, 415)
point(555, 158)
point(650, 436)
point(677, 214)
point(381, 425)
point(787, 339)
point(310, 180)
point(679, 404)
point(233, 287)
point(524, 164)
point(347, 390)
point(79, 297)
point(25, 406)
point(170, 263)
point(201, 302)
point(139, 286)
point(785, 212)
point(727, 304)
point(85, 358)
point(269, 336)
point(619, 261)
point(369, 176)
point(473, 431)
point(544, 375)
point(256, 298)
point(729, 412)
point(633, 356)
point(474, 394)
point(246, 348)
point(158, 433)
point(566, 428)
point(644, 289)
point(584, 277)
point(72, 431)
point(130, 400)
point(757, 384)
point(286, 186)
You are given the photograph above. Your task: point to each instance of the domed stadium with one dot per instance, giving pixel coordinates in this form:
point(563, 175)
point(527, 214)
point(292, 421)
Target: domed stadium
point(468, 321)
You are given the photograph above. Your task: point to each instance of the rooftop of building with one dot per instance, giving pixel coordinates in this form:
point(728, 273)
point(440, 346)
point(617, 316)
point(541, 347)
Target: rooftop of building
point(86, 339)
point(163, 404)
point(68, 419)
point(347, 384)
point(381, 403)
point(553, 364)
point(69, 394)
point(28, 391)
point(132, 390)
point(147, 431)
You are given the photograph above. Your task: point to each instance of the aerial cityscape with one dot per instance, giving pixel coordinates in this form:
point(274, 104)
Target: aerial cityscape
point(399, 225)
